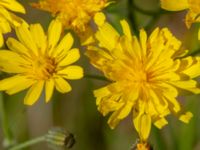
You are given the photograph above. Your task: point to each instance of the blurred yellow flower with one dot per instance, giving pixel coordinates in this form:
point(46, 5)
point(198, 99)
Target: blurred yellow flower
point(39, 61)
point(143, 146)
point(7, 18)
point(147, 74)
point(74, 14)
point(193, 6)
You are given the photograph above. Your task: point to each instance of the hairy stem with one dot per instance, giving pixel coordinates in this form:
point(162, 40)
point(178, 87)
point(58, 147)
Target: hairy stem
point(28, 143)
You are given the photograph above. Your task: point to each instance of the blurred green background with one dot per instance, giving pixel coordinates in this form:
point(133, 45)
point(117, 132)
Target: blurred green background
point(77, 112)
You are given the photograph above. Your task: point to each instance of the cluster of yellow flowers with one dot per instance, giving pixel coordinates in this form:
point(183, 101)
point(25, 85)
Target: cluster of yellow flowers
point(147, 73)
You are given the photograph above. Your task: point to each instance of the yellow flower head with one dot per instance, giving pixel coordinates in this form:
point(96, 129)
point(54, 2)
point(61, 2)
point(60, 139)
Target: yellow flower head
point(7, 18)
point(193, 6)
point(147, 74)
point(74, 14)
point(39, 61)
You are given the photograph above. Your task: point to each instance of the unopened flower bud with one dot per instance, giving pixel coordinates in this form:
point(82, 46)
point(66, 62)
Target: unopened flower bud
point(58, 137)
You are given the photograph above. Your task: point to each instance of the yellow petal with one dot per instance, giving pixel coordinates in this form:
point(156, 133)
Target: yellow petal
point(11, 62)
point(1, 40)
point(16, 46)
point(186, 117)
point(143, 41)
point(99, 18)
point(174, 5)
point(71, 72)
point(107, 36)
point(185, 84)
point(113, 120)
point(144, 127)
point(159, 104)
point(130, 101)
point(13, 5)
point(193, 71)
point(64, 45)
point(20, 86)
point(25, 38)
point(126, 29)
point(136, 48)
point(104, 91)
point(109, 104)
point(199, 34)
point(137, 113)
point(4, 26)
point(49, 88)
point(125, 110)
point(34, 93)
point(39, 37)
point(190, 18)
point(194, 6)
point(5, 15)
point(154, 35)
point(72, 56)
point(160, 123)
point(54, 32)
point(62, 85)
point(17, 21)
point(11, 82)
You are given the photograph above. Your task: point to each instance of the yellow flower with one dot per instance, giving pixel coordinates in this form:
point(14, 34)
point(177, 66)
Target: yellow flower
point(193, 6)
point(39, 61)
point(7, 18)
point(74, 14)
point(147, 74)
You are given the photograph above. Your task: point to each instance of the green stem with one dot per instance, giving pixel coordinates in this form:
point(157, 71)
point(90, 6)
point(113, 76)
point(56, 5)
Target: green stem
point(96, 77)
point(28, 143)
point(153, 21)
point(194, 53)
point(131, 17)
point(148, 12)
point(4, 121)
point(160, 141)
point(154, 14)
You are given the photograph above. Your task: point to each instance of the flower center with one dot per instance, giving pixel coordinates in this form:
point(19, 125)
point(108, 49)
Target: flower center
point(142, 76)
point(44, 68)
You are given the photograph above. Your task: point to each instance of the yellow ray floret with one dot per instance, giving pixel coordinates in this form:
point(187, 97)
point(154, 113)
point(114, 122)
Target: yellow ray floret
point(147, 75)
point(74, 14)
point(7, 18)
point(193, 7)
point(39, 61)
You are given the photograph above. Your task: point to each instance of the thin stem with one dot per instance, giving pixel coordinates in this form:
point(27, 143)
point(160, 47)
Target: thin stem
point(6, 131)
point(194, 53)
point(159, 138)
point(153, 21)
point(154, 14)
point(97, 77)
point(28, 143)
point(148, 12)
point(131, 17)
